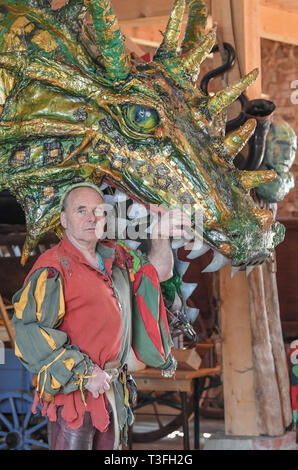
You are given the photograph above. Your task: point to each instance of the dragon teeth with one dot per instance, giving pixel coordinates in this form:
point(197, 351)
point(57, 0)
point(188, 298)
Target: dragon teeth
point(192, 313)
point(218, 262)
point(234, 271)
point(196, 253)
point(188, 289)
point(249, 270)
point(179, 243)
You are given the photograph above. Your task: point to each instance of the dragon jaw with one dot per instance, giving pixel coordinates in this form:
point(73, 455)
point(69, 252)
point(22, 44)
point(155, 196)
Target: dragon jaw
point(148, 130)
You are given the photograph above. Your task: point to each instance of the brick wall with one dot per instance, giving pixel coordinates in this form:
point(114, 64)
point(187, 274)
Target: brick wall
point(280, 69)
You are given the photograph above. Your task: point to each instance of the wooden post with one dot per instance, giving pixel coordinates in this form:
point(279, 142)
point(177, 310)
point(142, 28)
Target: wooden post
point(222, 16)
point(6, 320)
point(268, 404)
point(246, 26)
point(237, 355)
point(254, 362)
point(237, 362)
point(277, 343)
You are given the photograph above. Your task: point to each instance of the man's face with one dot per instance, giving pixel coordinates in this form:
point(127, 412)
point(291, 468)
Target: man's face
point(83, 213)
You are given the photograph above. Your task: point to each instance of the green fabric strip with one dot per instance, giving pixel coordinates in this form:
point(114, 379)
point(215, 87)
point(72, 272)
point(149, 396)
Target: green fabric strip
point(150, 295)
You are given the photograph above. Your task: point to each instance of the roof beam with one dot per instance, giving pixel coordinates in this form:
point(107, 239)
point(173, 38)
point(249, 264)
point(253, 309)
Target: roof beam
point(278, 24)
point(130, 10)
point(278, 18)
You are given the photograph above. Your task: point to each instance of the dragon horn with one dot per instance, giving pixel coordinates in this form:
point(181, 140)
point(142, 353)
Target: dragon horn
point(29, 245)
point(110, 39)
point(225, 97)
point(253, 179)
point(37, 230)
point(192, 60)
point(169, 44)
point(236, 140)
point(196, 25)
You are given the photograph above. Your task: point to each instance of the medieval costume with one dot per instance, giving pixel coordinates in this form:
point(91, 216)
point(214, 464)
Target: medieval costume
point(70, 315)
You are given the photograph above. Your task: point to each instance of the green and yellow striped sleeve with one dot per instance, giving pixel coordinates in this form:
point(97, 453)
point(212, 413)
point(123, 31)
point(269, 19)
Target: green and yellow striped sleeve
point(40, 346)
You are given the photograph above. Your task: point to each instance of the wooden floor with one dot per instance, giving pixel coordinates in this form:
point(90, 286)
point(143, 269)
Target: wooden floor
point(174, 441)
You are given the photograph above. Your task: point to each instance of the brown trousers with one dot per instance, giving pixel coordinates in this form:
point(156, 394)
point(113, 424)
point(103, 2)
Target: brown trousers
point(86, 437)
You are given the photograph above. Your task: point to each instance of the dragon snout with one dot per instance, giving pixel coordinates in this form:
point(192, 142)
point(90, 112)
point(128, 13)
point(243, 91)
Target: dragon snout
point(249, 244)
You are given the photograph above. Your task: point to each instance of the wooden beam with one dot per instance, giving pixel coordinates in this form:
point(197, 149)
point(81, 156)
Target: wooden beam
point(6, 320)
point(144, 42)
point(222, 17)
point(133, 46)
point(246, 25)
point(238, 377)
point(278, 24)
point(277, 341)
point(237, 356)
point(142, 9)
point(132, 9)
point(278, 18)
point(268, 403)
point(144, 21)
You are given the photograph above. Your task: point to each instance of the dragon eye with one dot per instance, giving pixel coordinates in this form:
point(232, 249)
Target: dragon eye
point(141, 118)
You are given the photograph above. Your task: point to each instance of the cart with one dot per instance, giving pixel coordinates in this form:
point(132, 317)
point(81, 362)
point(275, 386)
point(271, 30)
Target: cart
point(20, 429)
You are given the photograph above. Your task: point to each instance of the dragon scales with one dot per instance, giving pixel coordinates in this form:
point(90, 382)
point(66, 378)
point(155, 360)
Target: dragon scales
point(75, 108)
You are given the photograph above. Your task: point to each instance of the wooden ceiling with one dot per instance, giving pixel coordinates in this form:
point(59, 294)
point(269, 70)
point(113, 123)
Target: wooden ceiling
point(289, 5)
point(132, 9)
point(127, 9)
point(278, 18)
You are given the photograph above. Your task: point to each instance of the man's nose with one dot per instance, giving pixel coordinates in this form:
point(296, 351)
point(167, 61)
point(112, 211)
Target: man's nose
point(91, 216)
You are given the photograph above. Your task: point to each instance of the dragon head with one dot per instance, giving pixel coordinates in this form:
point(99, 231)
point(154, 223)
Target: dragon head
point(75, 108)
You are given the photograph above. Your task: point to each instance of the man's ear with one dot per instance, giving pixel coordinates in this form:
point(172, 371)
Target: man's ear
point(63, 219)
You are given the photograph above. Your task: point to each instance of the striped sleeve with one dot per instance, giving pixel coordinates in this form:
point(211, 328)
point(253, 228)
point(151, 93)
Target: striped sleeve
point(40, 346)
point(152, 342)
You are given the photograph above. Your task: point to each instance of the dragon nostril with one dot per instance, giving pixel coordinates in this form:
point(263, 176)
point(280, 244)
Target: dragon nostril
point(236, 234)
point(225, 249)
point(264, 218)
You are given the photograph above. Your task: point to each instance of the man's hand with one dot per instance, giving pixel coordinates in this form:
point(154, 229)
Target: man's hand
point(173, 223)
point(99, 383)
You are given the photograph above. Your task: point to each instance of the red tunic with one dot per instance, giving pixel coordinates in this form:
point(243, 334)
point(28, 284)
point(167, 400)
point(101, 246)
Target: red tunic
point(92, 321)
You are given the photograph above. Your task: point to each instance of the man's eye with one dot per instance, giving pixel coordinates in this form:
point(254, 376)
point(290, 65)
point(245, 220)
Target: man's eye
point(98, 212)
point(141, 118)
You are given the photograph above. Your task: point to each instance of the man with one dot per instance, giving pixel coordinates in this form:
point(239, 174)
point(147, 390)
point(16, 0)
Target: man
point(73, 323)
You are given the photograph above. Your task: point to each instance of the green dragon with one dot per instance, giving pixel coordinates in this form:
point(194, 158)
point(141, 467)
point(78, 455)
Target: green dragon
point(74, 107)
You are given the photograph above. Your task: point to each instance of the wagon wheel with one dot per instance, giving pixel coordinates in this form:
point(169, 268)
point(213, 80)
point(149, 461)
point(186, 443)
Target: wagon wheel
point(19, 428)
point(211, 402)
point(165, 422)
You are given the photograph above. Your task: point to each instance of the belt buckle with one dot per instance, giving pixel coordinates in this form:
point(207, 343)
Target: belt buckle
point(114, 374)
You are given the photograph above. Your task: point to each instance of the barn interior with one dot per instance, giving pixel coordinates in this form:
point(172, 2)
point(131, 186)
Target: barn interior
point(232, 389)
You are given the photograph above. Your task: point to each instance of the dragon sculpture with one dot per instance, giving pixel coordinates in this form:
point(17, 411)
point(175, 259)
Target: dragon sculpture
point(74, 107)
